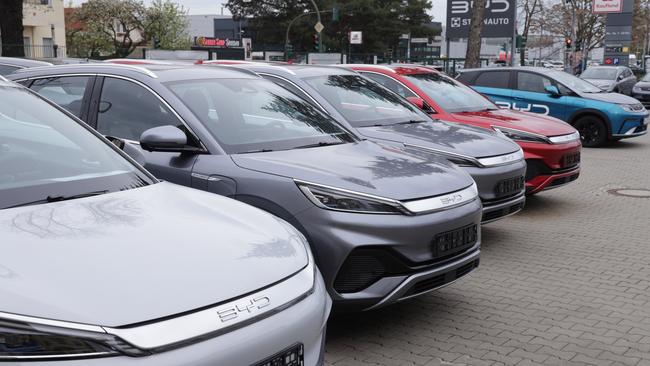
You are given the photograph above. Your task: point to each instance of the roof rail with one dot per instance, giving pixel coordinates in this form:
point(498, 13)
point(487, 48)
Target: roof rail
point(383, 67)
point(139, 69)
point(3, 78)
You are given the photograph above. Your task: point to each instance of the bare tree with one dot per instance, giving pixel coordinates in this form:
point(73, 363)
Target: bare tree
point(530, 11)
point(11, 28)
point(590, 27)
point(473, 55)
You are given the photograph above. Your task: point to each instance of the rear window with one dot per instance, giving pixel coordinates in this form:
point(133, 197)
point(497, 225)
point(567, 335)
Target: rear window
point(493, 79)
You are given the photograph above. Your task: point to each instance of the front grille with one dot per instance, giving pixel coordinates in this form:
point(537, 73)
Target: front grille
point(493, 215)
point(365, 266)
point(451, 242)
point(508, 187)
point(563, 180)
point(571, 159)
point(441, 280)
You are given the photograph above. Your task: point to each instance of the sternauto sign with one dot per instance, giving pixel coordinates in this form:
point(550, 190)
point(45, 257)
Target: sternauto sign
point(217, 42)
point(608, 6)
point(498, 20)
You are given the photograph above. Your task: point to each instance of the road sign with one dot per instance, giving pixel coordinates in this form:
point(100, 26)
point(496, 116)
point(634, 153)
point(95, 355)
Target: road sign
point(319, 27)
point(607, 6)
point(356, 37)
point(498, 20)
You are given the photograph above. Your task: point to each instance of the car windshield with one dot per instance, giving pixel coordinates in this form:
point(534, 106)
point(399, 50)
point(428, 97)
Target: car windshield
point(46, 156)
point(574, 83)
point(451, 95)
point(600, 73)
point(256, 115)
point(363, 102)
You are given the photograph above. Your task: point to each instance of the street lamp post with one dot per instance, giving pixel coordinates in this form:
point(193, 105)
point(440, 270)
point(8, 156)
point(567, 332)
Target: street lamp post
point(320, 39)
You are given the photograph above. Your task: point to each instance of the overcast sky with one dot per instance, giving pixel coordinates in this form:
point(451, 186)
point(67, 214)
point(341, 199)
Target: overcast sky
point(214, 7)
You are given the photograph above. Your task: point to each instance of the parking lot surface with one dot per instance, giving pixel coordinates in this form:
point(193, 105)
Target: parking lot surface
point(565, 282)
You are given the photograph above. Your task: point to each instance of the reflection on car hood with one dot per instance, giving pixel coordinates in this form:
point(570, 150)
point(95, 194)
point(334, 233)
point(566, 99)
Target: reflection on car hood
point(451, 137)
point(364, 167)
point(139, 255)
point(524, 121)
point(610, 97)
point(601, 83)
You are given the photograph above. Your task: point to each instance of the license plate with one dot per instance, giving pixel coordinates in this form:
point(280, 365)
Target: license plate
point(455, 240)
point(509, 186)
point(571, 159)
point(294, 356)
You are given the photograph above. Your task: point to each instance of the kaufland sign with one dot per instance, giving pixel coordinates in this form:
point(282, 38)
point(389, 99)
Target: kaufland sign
point(608, 6)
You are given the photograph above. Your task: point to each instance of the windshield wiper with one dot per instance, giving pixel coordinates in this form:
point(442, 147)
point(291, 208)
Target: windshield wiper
point(59, 198)
point(411, 121)
point(319, 144)
point(255, 151)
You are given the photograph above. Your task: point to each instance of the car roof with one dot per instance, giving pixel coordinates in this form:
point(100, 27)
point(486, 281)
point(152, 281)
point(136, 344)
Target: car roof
point(301, 71)
point(22, 62)
point(164, 73)
point(541, 70)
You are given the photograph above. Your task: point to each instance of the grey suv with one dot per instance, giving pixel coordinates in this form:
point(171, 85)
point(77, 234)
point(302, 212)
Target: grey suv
point(496, 163)
point(385, 224)
point(102, 264)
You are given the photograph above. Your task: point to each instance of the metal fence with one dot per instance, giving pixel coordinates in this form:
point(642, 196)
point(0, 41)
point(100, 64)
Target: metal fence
point(36, 51)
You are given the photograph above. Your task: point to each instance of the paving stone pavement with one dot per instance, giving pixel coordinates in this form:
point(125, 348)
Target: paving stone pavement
point(565, 282)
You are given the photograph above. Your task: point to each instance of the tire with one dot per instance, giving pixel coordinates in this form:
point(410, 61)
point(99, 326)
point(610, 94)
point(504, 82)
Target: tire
point(593, 132)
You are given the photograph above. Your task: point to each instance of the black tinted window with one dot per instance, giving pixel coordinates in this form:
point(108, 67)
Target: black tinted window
point(494, 79)
point(68, 92)
point(389, 83)
point(527, 81)
point(126, 109)
point(6, 69)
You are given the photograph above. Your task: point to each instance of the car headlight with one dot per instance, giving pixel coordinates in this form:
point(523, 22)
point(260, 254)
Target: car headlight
point(636, 89)
point(563, 139)
point(633, 108)
point(343, 200)
point(27, 339)
point(518, 135)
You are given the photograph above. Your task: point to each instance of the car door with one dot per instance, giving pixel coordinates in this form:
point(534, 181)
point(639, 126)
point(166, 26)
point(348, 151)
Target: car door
point(531, 95)
point(70, 92)
point(124, 109)
point(495, 84)
point(629, 80)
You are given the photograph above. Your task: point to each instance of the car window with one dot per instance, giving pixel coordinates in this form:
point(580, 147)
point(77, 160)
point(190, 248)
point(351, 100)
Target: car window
point(527, 81)
point(68, 92)
point(256, 115)
point(600, 73)
point(389, 83)
point(127, 109)
point(627, 73)
point(43, 152)
point(7, 69)
point(494, 79)
point(289, 86)
point(363, 102)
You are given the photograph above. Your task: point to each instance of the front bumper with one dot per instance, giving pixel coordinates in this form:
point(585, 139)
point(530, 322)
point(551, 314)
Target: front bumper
point(496, 205)
point(407, 241)
point(547, 165)
point(304, 322)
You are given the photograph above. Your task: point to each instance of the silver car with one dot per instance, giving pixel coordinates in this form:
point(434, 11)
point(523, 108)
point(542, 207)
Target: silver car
point(613, 79)
point(104, 265)
point(385, 223)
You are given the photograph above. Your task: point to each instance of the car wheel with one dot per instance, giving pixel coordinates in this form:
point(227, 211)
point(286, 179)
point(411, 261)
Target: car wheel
point(592, 131)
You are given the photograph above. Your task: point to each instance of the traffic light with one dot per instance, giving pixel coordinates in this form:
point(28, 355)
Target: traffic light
point(567, 43)
point(156, 43)
point(336, 14)
point(521, 42)
point(316, 42)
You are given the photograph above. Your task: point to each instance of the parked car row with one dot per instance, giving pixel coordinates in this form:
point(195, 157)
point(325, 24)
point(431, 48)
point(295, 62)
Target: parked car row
point(210, 214)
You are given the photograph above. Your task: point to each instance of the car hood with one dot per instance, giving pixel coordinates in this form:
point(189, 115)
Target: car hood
point(605, 84)
point(139, 255)
point(364, 167)
point(450, 137)
point(610, 98)
point(524, 121)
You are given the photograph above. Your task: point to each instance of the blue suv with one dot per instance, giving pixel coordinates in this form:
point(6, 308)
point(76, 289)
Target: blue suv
point(598, 115)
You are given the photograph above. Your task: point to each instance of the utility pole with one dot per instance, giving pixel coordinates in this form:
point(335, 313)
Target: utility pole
point(320, 38)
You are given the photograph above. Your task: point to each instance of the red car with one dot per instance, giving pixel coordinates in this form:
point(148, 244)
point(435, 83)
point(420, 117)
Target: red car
point(551, 147)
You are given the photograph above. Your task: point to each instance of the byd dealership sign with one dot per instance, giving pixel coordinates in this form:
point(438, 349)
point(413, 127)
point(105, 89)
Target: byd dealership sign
point(608, 6)
point(498, 20)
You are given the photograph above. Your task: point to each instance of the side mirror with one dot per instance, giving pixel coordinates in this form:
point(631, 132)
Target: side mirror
point(164, 138)
point(553, 90)
point(421, 104)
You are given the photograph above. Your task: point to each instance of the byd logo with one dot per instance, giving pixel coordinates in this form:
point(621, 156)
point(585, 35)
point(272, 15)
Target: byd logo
point(525, 107)
point(449, 200)
point(464, 6)
point(246, 307)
